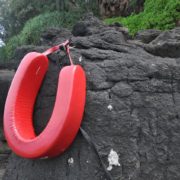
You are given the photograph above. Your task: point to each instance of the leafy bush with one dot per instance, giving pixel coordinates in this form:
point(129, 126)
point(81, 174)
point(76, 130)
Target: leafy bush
point(157, 14)
point(34, 27)
point(15, 13)
point(2, 54)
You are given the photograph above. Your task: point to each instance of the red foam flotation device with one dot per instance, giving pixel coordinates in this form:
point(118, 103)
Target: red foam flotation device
point(66, 116)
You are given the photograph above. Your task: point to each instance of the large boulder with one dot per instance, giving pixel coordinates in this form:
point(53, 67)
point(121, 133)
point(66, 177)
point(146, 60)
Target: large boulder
point(167, 44)
point(6, 75)
point(146, 36)
point(5, 80)
point(131, 124)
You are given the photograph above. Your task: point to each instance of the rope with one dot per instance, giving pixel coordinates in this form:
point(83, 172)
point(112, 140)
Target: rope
point(91, 143)
point(63, 46)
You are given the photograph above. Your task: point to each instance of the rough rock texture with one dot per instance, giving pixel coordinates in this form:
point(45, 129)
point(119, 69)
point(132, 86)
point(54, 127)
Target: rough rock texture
point(167, 44)
point(132, 108)
point(146, 36)
point(5, 80)
point(6, 75)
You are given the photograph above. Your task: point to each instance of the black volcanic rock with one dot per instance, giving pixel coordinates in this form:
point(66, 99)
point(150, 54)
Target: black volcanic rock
point(132, 108)
point(167, 44)
point(87, 26)
point(146, 36)
point(6, 76)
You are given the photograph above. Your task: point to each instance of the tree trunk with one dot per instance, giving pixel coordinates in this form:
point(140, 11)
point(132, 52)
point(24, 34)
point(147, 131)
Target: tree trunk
point(60, 5)
point(110, 8)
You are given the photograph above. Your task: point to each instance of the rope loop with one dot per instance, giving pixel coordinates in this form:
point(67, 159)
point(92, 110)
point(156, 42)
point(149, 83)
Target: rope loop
point(63, 46)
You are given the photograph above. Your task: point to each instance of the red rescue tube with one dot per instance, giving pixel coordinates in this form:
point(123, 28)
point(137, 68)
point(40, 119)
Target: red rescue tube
point(66, 116)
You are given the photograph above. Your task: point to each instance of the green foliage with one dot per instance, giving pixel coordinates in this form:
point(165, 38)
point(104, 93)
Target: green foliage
point(25, 20)
point(89, 6)
point(2, 54)
point(157, 14)
point(15, 13)
point(33, 28)
point(8, 50)
point(133, 3)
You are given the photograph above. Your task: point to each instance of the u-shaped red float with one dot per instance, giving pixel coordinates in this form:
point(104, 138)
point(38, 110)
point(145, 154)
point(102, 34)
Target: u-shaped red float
point(66, 116)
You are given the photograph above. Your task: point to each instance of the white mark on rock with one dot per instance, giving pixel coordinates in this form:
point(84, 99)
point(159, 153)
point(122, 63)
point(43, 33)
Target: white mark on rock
point(113, 160)
point(110, 107)
point(80, 59)
point(70, 161)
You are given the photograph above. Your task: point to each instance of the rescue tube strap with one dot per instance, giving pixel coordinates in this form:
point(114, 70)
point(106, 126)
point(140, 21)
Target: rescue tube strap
point(63, 46)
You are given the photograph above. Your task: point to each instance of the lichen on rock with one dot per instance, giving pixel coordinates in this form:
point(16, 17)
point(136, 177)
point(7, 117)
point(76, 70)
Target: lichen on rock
point(113, 160)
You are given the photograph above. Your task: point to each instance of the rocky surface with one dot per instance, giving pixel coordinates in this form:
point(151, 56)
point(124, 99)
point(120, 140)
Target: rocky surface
point(132, 111)
point(5, 80)
point(6, 75)
point(146, 36)
point(167, 44)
